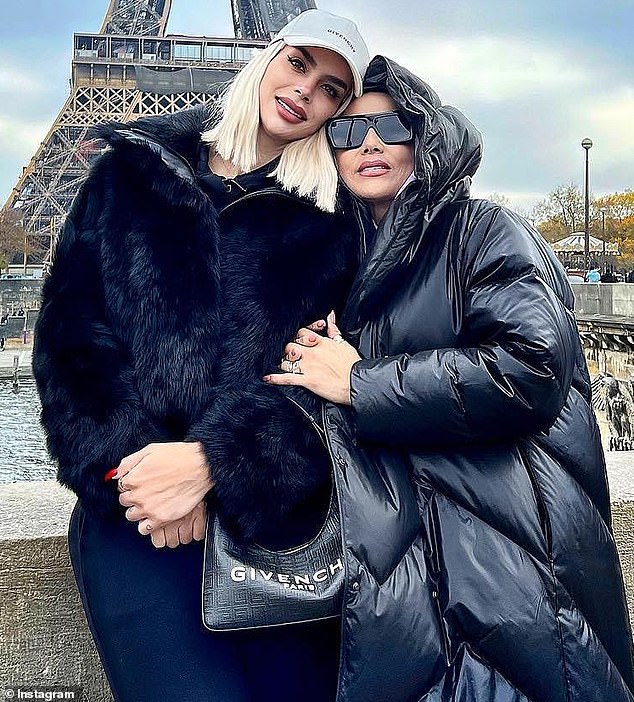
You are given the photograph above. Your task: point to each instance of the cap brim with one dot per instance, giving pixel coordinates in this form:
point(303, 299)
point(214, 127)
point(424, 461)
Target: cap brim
point(299, 40)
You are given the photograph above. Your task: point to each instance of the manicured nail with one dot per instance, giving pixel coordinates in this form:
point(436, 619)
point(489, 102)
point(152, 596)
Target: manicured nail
point(110, 474)
point(312, 338)
point(266, 378)
point(321, 323)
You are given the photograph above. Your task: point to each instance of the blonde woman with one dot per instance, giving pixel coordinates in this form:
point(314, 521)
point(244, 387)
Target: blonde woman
point(179, 250)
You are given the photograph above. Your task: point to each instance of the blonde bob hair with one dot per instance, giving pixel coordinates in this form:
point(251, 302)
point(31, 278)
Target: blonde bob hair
point(306, 166)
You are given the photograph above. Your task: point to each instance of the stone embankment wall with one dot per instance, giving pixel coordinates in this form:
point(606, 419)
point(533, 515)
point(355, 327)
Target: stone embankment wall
point(605, 317)
point(44, 638)
point(604, 298)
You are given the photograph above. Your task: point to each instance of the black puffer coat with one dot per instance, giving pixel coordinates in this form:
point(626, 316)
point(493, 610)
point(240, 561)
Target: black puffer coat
point(480, 559)
point(161, 314)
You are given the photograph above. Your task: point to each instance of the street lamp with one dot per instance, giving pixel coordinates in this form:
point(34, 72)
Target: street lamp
point(603, 235)
point(587, 145)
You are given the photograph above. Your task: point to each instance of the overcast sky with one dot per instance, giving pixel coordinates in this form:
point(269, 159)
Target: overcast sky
point(535, 76)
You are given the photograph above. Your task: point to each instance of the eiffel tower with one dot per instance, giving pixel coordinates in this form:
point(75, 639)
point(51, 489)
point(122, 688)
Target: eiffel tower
point(130, 68)
point(263, 19)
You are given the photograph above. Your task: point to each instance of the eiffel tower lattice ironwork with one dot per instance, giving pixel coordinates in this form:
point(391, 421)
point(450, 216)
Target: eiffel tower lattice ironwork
point(264, 18)
point(129, 69)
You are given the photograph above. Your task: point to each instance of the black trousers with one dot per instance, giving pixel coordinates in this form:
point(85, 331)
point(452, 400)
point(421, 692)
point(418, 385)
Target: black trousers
point(144, 610)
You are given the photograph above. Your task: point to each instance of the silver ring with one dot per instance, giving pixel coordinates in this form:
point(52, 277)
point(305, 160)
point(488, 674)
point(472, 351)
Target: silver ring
point(290, 366)
point(338, 338)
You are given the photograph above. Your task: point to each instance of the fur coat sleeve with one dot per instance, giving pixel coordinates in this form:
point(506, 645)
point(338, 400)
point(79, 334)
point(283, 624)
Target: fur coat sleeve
point(91, 409)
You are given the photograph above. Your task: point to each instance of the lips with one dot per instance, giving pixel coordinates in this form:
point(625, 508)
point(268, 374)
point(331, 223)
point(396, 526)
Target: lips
point(290, 111)
point(374, 168)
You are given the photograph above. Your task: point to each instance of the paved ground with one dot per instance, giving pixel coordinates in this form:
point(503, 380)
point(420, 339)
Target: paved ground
point(620, 466)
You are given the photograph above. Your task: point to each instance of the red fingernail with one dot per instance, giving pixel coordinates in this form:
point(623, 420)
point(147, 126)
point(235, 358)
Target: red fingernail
point(321, 324)
point(110, 474)
point(312, 338)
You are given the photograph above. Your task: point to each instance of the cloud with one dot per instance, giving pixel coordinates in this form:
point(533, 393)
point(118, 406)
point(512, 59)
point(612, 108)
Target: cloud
point(518, 200)
point(17, 81)
point(18, 142)
point(534, 102)
point(611, 118)
point(496, 69)
point(17, 136)
point(29, 101)
point(535, 144)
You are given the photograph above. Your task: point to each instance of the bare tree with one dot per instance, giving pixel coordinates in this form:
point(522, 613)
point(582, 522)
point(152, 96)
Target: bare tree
point(12, 235)
point(500, 199)
point(562, 212)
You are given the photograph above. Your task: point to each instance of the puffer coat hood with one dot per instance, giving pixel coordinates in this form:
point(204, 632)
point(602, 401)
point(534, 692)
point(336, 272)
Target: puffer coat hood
point(447, 153)
point(480, 561)
point(448, 147)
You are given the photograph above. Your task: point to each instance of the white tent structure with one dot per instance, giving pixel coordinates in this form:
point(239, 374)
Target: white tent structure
point(575, 243)
point(571, 252)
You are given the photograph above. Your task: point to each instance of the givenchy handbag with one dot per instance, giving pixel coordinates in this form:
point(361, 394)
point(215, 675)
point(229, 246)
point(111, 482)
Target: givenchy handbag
point(246, 586)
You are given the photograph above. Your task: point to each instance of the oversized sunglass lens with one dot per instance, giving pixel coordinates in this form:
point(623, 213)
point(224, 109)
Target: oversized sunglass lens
point(358, 131)
point(393, 129)
point(339, 133)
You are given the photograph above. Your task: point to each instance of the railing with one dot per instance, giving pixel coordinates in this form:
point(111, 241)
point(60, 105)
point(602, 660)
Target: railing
point(164, 51)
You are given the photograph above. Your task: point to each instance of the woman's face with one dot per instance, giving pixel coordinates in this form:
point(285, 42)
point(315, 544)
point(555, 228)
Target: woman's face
point(375, 171)
point(301, 89)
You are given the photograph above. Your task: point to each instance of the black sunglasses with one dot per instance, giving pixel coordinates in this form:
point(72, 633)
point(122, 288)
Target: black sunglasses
point(350, 132)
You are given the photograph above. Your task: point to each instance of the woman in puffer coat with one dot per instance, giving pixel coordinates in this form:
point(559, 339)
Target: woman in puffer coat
point(183, 266)
point(481, 565)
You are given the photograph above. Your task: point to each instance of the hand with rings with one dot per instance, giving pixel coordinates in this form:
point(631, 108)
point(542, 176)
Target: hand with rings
point(321, 364)
point(162, 483)
point(189, 528)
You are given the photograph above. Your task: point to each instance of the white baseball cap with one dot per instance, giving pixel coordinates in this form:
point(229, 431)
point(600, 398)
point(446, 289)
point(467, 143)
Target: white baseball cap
point(328, 31)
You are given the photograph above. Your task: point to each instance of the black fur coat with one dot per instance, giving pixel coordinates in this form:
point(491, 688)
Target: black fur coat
point(160, 316)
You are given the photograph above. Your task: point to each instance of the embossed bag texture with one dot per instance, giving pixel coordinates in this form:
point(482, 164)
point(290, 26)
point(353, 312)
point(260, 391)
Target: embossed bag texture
point(249, 586)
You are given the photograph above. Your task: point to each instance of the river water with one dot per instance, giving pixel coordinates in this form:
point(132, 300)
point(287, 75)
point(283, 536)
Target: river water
point(23, 453)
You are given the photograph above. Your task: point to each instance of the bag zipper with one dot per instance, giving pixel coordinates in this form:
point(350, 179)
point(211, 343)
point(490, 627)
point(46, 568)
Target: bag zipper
point(320, 430)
